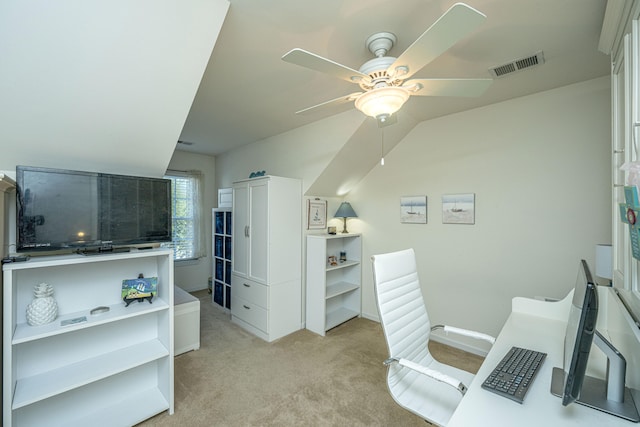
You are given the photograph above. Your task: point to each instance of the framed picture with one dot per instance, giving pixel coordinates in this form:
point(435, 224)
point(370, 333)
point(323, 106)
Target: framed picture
point(139, 289)
point(316, 214)
point(413, 209)
point(459, 208)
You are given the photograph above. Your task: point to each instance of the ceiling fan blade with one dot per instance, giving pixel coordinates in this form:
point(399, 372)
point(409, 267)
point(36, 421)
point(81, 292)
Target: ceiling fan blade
point(449, 87)
point(456, 23)
point(329, 104)
point(318, 63)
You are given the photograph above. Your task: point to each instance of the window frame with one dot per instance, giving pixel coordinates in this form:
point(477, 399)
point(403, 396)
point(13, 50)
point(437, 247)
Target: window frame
point(195, 249)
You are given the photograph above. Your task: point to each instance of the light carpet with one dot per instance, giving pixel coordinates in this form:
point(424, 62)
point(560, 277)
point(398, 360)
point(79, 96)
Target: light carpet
point(303, 379)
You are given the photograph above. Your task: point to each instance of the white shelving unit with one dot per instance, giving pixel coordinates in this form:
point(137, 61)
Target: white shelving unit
point(114, 369)
point(333, 291)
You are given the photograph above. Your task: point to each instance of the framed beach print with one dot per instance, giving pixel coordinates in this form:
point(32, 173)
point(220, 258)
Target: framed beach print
point(459, 208)
point(316, 214)
point(413, 209)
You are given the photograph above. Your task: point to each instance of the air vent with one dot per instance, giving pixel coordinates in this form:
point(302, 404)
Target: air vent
point(517, 65)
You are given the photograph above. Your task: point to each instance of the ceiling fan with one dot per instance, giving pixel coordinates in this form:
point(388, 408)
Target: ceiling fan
point(385, 81)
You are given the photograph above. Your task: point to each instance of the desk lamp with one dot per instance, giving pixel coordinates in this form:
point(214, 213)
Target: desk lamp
point(345, 211)
point(604, 262)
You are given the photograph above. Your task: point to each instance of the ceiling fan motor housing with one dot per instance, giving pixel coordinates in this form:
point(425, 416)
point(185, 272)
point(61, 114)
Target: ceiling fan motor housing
point(376, 69)
point(379, 44)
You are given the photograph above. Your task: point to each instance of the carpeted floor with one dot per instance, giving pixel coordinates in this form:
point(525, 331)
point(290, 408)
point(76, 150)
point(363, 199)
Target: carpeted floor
point(237, 379)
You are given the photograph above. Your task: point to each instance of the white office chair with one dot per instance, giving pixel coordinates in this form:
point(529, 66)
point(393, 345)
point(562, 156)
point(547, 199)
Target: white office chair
point(417, 381)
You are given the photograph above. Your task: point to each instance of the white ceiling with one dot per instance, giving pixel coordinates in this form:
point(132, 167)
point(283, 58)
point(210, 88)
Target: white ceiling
point(248, 93)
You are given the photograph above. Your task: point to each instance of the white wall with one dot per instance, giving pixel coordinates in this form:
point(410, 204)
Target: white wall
point(101, 86)
point(539, 166)
point(301, 153)
point(193, 275)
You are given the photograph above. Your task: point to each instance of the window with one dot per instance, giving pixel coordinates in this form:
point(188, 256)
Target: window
point(186, 214)
point(626, 116)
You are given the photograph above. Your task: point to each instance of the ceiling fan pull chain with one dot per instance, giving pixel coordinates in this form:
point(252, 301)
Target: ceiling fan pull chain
point(382, 147)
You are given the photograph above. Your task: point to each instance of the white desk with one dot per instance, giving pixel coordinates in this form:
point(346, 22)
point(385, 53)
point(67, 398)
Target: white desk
point(540, 326)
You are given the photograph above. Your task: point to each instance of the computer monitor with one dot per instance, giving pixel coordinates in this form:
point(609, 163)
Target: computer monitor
point(571, 382)
point(581, 328)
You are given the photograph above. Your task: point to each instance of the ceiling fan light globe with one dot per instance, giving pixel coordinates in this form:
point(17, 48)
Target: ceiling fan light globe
point(382, 101)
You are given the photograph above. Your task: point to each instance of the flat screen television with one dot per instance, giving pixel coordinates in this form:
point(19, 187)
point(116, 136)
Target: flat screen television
point(581, 328)
point(65, 209)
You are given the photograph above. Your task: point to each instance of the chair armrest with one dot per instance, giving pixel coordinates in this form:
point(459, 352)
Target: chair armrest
point(465, 332)
point(432, 373)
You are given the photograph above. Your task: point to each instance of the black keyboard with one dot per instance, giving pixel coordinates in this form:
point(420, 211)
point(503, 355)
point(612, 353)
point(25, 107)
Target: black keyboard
point(515, 373)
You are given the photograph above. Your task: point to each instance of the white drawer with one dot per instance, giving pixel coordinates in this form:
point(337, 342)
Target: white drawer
point(250, 291)
point(249, 312)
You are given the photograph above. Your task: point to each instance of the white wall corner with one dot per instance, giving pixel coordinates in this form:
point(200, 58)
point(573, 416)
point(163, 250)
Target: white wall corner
point(6, 183)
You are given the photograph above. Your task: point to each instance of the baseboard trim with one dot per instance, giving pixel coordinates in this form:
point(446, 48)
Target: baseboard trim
point(192, 288)
point(460, 346)
point(370, 317)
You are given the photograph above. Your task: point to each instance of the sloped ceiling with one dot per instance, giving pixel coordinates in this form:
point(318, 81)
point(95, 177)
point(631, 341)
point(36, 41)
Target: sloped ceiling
point(361, 151)
point(101, 86)
point(249, 94)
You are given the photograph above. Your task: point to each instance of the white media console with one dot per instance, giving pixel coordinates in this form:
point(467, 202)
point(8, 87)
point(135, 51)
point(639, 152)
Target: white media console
point(115, 368)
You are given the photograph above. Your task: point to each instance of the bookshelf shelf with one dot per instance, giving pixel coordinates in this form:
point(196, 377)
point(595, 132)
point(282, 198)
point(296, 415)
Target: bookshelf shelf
point(333, 291)
point(66, 375)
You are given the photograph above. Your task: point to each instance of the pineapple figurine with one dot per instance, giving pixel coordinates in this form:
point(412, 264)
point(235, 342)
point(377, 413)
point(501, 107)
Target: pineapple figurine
point(44, 308)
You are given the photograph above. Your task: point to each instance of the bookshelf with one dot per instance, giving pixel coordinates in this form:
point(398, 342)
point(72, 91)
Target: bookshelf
point(75, 375)
point(222, 245)
point(333, 291)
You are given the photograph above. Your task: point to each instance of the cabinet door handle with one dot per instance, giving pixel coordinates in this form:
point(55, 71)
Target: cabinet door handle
point(248, 286)
point(248, 308)
point(246, 231)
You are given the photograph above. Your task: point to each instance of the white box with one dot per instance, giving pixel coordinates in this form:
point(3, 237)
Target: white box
point(186, 321)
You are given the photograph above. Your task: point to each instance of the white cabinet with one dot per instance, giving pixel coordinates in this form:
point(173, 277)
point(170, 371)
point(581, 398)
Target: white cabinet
point(250, 222)
point(114, 368)
point(222, 244)
point(225, 198)
point(333, 287)
point(267, 256)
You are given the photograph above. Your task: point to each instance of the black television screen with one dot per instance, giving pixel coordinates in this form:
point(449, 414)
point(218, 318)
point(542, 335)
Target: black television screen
point(581, 328)
point(61, 209)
